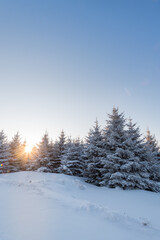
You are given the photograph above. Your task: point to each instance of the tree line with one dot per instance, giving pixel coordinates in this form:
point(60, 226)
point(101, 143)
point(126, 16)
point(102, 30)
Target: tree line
point(116, 156)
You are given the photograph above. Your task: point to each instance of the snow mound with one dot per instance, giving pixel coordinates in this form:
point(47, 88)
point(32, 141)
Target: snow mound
point(38, 206)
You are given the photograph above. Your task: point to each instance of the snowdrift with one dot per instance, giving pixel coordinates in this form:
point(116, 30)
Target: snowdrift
point(47, 206)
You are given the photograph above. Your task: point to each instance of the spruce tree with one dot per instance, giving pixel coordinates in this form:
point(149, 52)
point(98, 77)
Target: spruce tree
point(72, 159)
point(43, 153)
point(33, 163)
point(114, 142)
point(57, 153)
point(24, 156)
point(94, 155)
point(51, 156)
point(134, 171)
point(153, 153)
point(4, 154)
point(17, 151)
point(126, 160)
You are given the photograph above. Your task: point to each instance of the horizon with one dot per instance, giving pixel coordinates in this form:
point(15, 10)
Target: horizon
point(30, 144)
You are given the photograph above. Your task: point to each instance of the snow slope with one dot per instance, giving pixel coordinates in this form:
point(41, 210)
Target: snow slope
point(47, 206)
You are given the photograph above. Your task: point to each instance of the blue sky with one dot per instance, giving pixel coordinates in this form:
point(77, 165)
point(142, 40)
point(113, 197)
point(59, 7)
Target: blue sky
point(64, 63)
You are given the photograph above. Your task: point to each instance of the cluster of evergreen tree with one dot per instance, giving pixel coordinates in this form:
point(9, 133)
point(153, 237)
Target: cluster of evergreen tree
point(116, 156)
point(12, 154)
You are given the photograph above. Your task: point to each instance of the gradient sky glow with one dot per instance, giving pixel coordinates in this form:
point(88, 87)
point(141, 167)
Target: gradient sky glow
point(64, 63)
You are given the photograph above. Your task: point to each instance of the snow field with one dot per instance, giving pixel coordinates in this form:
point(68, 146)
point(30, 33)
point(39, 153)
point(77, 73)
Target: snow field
point(47, 206)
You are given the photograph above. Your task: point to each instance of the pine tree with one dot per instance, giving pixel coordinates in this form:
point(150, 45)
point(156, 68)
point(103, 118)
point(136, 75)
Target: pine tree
point(58, 151)
point(52, 156)
point(43, 153)
point(114, 138)
point(126, 162)
point(17, 151)
point(4, 154)
point(62, 143)
point(153, 153)
point(72, 159)
point(33, 163)
point(24, 156)
point(134, 171)
point(94, 155)
point(65, 157)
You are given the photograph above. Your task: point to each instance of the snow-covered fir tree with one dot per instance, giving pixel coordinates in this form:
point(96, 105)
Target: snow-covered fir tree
point(32, 163)
point(52, 154)
point(58, 151)
point(153, 153)
point(56, 162)
point(17, 151)
point(72, 159)
point(94, 155)
point(114, 142)
point(43, 154)
point(126, 162)
point(62, 143)
point(4, 154)
point(63, 165)
point(24, 156)
point(134, 171)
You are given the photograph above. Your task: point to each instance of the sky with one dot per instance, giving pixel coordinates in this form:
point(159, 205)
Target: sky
point(65, 63)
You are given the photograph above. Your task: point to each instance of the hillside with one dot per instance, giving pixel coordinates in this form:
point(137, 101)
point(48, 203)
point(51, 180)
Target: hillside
point(46, 206)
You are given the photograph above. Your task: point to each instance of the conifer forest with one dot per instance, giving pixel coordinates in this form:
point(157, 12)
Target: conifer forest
point(117, 155)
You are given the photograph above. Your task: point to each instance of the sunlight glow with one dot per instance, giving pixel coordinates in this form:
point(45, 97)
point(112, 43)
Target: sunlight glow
point(28, 148)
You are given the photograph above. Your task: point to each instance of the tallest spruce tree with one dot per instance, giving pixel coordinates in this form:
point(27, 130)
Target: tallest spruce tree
point(114, 142)
point(126, 164)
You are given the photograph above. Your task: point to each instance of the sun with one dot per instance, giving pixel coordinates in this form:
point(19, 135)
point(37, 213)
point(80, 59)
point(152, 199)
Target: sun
point(28, 148)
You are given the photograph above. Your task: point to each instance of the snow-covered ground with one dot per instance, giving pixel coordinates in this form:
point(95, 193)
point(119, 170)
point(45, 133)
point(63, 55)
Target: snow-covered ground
point(46, 206)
